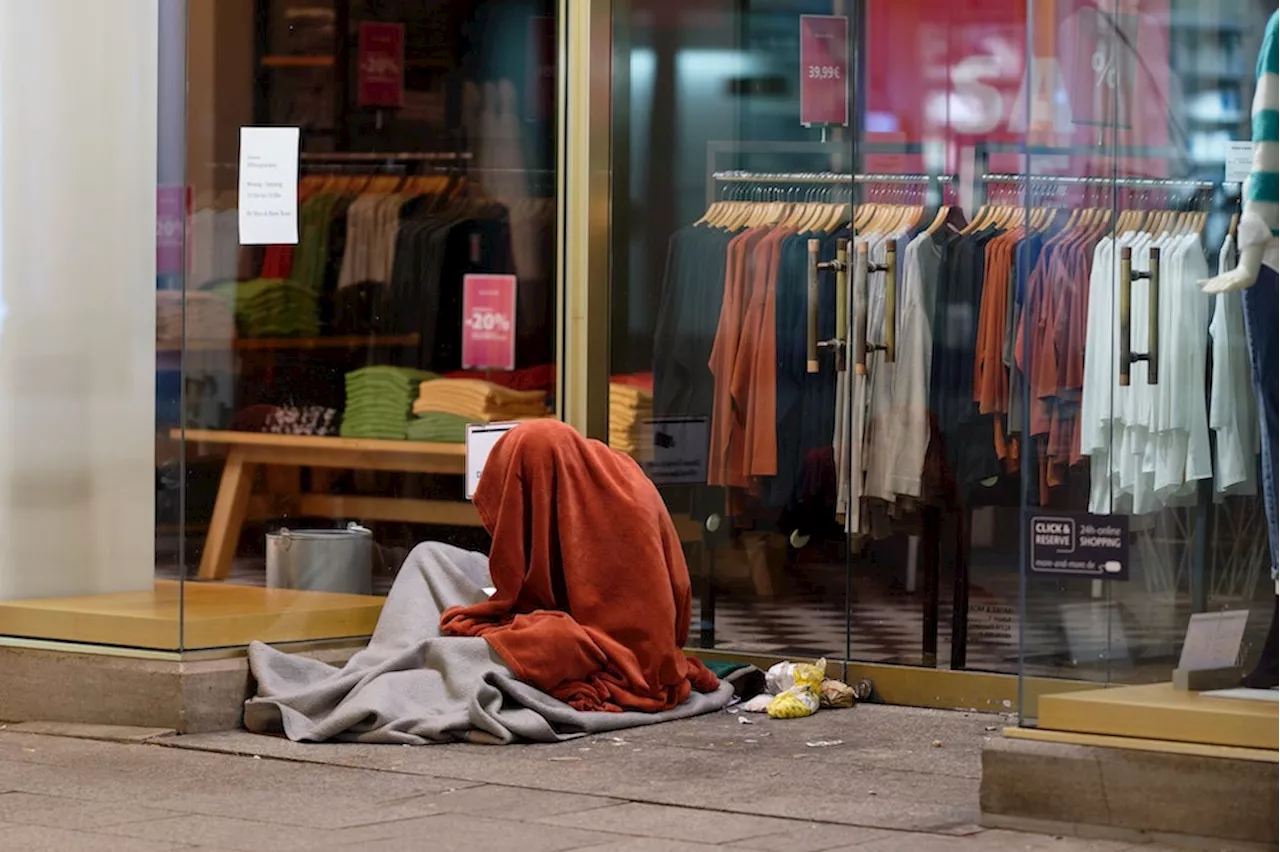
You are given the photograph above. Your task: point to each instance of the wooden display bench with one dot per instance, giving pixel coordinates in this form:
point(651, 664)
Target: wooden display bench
point(284, 456)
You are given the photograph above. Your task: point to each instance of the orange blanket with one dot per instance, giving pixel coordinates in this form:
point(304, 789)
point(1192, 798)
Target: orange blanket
point(593, 596)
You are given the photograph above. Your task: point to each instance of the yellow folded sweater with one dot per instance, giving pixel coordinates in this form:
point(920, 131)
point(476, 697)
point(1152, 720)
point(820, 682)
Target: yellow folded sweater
point(479, 400)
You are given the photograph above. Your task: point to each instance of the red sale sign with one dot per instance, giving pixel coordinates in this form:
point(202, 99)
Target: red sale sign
point(380, 78)
point(489, 322)
point(963, 75)
point(824, 70)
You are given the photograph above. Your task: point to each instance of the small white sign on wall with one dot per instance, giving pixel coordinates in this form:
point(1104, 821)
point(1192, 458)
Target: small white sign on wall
point(481, 440)
point(1239, 161)
point(268, 186)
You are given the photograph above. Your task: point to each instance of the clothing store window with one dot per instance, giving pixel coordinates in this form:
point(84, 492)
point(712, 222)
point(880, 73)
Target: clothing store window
point(318, 350)
point(1153, 392)
point(857, 462)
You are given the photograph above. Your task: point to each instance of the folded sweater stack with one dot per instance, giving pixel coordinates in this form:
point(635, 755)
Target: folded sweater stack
point(444, 407)
point(266, 307)
point(436, 427)
point(630, 407)
point(378, 401)
point(479, 401)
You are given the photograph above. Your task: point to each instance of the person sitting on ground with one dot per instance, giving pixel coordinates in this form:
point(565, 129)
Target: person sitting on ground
point(593, 599)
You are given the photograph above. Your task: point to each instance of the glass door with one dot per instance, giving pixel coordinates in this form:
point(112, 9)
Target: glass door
point(732, 175)
point(934, 475)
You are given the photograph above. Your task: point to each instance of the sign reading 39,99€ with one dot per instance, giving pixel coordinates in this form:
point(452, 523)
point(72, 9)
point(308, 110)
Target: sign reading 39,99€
point(824, 70)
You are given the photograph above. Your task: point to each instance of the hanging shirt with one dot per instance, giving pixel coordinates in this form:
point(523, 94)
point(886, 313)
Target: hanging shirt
point(1233, 407)
point(1148, 444)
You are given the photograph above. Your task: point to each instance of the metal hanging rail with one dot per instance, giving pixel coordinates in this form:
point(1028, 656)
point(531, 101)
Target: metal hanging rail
point(826, 177)
point(1091, 180)
point(368, 157)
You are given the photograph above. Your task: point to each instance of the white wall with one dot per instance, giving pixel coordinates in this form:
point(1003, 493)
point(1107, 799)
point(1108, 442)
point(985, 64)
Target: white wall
point(77, 282)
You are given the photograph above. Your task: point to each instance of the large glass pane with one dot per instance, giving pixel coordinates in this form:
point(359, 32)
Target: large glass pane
point(935, 564)
point(1150, 433)
point(325, 371)
point(727, 163)
point(87, 159)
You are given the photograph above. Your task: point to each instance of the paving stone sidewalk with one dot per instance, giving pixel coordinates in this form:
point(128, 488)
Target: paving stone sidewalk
point(873, 779)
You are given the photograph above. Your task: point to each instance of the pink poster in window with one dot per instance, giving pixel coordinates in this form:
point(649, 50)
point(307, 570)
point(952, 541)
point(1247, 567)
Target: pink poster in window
point(380, 82)
point(489, 322)
point(824, 70)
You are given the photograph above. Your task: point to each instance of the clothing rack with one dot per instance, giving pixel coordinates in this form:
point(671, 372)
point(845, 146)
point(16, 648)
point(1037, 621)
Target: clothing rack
point(1092, 180)
point(826, 177)
point(373, 156)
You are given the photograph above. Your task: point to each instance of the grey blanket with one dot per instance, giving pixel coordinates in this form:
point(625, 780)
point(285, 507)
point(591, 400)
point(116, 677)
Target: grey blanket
point(413, 686)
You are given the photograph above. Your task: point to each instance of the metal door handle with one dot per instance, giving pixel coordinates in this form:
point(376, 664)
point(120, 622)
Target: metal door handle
point(1127, 356)
point(862, 284)
point(860, 269)
point(811, 333)
point(838, 343)
point(890, 345)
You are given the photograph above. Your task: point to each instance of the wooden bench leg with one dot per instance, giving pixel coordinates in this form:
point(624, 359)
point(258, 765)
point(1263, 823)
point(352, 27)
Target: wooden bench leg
point(229, 511)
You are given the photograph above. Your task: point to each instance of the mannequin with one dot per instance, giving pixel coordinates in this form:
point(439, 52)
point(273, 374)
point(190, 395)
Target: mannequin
point(1256, 277)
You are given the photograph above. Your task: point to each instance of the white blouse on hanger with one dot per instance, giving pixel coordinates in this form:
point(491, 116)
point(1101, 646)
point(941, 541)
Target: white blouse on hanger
point(1148, 444)
point(1233, 407)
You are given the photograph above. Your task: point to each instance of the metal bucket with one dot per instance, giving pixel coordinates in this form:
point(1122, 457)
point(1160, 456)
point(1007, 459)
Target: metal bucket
point(321, 560)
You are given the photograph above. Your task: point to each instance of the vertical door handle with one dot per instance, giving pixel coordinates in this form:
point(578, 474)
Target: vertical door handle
point(860, 269)
point(1153, 319)
point(891, 303)
point(1127, 356)
point(811, 333)
point(1126, 298)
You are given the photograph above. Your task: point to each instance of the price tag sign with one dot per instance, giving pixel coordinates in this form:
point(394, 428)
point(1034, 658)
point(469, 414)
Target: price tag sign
point(481, 439)
point(489, 322)
point(1239, 161)
point(380, 82)
point(824, 70)
point(1213, 640)
point(677, 448)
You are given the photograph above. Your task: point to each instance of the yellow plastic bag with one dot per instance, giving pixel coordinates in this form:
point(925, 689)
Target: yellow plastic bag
point(804, 697)
point(795, 703)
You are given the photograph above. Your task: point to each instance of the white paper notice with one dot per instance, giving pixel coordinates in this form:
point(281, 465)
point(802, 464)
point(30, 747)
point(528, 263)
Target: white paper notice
point(480, 442)
point(1239, 162)
point(268, 186)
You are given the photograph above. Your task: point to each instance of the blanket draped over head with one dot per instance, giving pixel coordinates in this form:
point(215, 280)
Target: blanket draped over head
point(593, 599)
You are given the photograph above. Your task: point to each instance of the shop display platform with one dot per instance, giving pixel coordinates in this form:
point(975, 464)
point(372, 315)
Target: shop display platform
point(1160, 712)
point(1140, 763)
point(201, 615)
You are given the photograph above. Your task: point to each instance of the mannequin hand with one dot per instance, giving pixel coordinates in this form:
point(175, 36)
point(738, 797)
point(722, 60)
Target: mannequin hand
point(1240, 278)
point(1254, 235)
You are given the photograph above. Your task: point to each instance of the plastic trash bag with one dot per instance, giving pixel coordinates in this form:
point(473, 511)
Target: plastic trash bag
point(783, 676)
point(836, 694)
point(795, 703)
point(804, 696)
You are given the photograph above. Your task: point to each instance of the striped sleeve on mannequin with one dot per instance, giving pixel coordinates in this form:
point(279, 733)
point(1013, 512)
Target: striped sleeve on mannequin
point(1260, 223)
